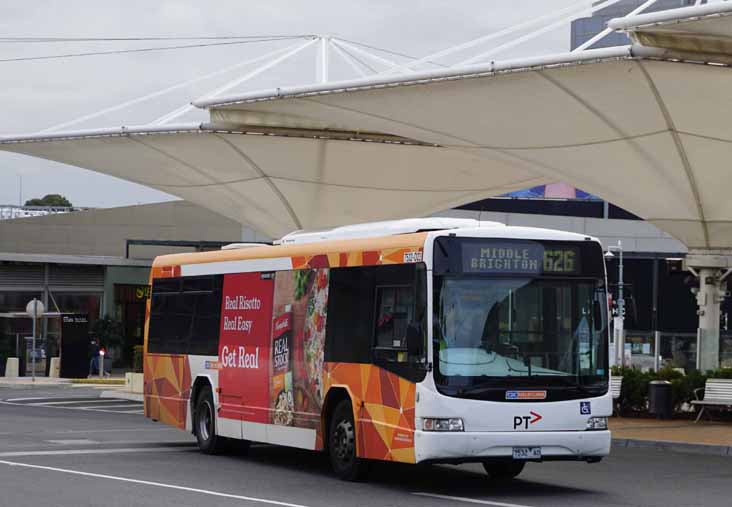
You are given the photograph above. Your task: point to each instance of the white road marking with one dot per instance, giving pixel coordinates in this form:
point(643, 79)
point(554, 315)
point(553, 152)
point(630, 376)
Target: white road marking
point(470, 500)
point(26, 399)
point(140, 411)
point(155, 484)
point(118, 430)
point(126, 405)
point(82, 400)
point(77, 441)
point(59, 405)
point(65, 452)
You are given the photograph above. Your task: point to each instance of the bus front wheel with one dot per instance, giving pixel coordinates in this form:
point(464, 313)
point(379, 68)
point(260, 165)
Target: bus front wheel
point(504, 471)
point(205, 423)
point(342, 444)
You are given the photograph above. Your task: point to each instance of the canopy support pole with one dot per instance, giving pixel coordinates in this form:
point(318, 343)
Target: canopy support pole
point(160, 92)
point(352, 62)
point(259, 70)
point(576, 8)
point(374, 57)
point(531, 35)
point(608, 31)
point(324, 45)
point(712, 269)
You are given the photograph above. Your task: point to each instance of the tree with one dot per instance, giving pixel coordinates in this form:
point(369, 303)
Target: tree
point(109, 331)
point(50, 200)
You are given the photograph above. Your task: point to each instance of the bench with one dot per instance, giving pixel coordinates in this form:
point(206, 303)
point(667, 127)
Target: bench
point(717, 394)
point(616, 386)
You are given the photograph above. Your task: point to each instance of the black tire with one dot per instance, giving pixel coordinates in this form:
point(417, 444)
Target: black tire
point(342, 444)
point(204, 423)
point(505, 471)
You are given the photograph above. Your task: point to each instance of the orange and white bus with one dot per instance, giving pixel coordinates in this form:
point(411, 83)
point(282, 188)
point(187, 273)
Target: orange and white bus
point(424, 340)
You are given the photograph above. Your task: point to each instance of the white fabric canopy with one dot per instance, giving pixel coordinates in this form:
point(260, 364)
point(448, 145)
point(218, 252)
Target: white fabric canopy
point(278, 184)
point(685, 32)
point(646, 133)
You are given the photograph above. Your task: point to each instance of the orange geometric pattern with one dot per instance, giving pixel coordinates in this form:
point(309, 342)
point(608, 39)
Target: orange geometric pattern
point(167, 388)
point(358, 258)
point(383, 409)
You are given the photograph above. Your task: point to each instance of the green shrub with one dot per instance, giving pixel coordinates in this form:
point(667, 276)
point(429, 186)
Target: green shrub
point(634, 393)
point(684, 387)
point(721, 373)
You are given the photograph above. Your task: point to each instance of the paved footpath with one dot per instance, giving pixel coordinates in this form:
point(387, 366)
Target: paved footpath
point(68, 454)
point(712, 437)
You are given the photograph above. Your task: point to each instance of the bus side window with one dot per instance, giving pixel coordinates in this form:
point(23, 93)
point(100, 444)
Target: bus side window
point(350, 314)
point(185, 315)
point(394, 313)
point(400, 320)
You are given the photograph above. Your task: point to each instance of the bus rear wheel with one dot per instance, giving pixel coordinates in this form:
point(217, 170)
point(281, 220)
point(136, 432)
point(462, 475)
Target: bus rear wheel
point(204, 423)
point(504, 471)
point(342, 444)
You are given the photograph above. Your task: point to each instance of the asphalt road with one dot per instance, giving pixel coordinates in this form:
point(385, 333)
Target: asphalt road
point(64, 447)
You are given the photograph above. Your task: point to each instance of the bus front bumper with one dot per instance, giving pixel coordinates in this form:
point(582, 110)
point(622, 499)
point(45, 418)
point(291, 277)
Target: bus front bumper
point(464, 447)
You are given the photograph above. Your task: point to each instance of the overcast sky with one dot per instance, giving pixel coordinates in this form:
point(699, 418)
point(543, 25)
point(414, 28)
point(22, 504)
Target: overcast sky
point(37, 94)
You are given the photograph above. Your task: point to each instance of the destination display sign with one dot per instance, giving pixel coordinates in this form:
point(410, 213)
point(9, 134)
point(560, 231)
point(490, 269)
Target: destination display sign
point(519, 257)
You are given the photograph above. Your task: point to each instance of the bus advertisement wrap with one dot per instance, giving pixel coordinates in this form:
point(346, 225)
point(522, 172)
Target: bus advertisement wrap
point(246, 316)
point(272, 338)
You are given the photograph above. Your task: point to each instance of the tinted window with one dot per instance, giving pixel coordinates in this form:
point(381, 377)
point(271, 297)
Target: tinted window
point(394, 312)
point(185, 315)
point(350, 319)
point(369, 311)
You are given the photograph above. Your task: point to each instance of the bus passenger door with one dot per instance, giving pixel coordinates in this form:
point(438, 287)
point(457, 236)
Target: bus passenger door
point(244, 349)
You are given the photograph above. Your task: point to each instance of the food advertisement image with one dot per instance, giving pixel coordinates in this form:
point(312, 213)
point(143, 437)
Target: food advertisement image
point(298, 339)
point(282, 378)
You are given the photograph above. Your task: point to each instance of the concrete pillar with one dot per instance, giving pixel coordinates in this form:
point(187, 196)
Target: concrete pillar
point(709, 299)
point(712, 269)
point(55, 369)
point(12, 367)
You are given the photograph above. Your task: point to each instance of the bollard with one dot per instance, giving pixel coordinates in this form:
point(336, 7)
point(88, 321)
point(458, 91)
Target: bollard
point(54, 371)
point(12, 366)
point(101, 363)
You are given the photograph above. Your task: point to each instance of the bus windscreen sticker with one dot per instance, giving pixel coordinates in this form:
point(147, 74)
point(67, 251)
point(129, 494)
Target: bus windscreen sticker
point(525, 395)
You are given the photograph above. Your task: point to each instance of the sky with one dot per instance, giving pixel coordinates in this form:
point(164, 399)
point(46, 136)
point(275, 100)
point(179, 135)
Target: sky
point(38, 94)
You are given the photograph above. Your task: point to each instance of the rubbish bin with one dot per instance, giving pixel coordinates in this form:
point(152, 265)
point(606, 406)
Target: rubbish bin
point(660, 399)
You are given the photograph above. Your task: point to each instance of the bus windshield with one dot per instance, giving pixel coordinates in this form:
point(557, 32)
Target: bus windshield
point(523, 331)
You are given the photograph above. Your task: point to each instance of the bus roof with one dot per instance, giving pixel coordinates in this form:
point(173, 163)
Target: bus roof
point(386, 243)
point(415, 240)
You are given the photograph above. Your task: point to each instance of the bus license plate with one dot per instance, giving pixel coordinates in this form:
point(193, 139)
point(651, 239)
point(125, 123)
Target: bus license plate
point(527, 453)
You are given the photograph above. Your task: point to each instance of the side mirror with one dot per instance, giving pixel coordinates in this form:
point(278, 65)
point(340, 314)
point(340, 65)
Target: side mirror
point(597, 317)
point(415, 340)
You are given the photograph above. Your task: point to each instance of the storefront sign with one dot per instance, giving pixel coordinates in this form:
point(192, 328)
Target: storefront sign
point(142, 292)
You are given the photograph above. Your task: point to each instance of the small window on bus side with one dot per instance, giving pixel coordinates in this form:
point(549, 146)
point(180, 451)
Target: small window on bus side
point(394, 312)
point(399, 343)
point(349, 325)
point(184, 315)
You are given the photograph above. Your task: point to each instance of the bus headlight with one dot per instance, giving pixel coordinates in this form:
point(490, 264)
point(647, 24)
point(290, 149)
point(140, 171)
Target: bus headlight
point(433, 424)
point(597, 423)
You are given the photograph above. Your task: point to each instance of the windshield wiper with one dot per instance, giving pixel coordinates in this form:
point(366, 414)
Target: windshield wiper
point(477, 389)
point(575, 385)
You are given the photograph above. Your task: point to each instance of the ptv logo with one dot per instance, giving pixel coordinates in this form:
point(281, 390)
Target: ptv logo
point(524, 420)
